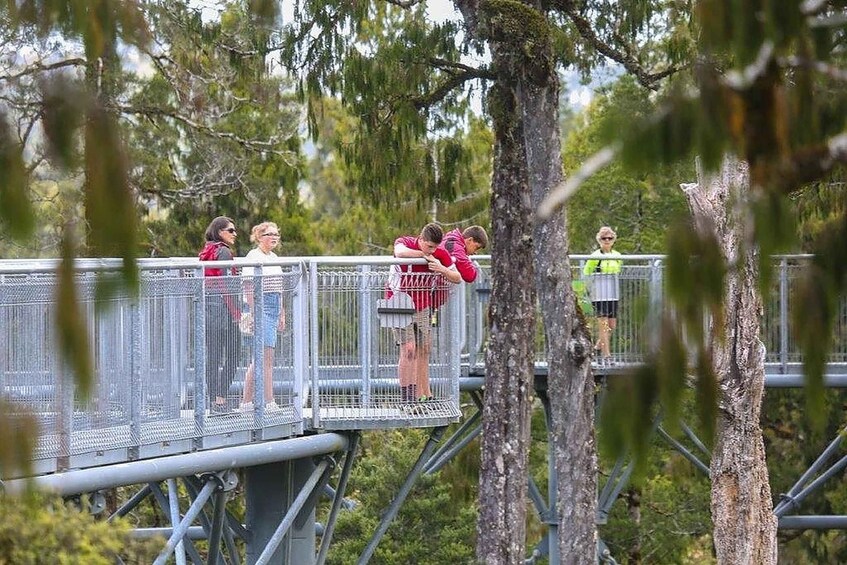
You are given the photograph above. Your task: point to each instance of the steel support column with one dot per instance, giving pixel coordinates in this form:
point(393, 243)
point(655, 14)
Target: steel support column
point(276, 505)
point(297, 527)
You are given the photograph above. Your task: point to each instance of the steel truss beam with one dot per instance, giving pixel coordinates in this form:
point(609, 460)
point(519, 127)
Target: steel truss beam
point(163, 468)
point(193, 486)
point(213, 482)
point(621, 473)
point(182, 547)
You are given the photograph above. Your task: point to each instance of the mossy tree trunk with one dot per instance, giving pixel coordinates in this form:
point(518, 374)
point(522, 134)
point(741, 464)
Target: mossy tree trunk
point(525, 114)
point(742, 508)
point(570, 383)
point(501, 530)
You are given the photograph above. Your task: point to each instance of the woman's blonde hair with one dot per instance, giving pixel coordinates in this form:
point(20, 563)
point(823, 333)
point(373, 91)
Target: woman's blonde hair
point(259, 229)
point(605, 230)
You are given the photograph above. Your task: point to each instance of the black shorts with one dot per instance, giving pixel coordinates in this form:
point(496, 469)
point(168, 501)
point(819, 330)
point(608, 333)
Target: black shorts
point(606, 308)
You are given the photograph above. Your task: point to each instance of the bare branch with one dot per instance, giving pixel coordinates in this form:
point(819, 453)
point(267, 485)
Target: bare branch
point(39, 67)
point(826, 69)
point(562, 193)
point(630, 63)
point(453, 81)
point(451, 66)
point(269, 145)
point(405, 4)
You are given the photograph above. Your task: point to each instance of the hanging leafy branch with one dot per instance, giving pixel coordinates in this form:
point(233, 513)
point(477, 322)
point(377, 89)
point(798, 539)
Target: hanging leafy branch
point(107, 133)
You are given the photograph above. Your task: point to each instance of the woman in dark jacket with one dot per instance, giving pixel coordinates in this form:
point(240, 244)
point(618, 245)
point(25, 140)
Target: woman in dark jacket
point(222, 313)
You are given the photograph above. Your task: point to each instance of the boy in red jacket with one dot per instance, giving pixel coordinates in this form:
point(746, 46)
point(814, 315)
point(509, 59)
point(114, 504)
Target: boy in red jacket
point(419, 283)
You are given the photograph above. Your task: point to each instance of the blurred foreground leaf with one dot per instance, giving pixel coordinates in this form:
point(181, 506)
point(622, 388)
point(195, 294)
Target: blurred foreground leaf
point(15, 208)
point(109, 205)
point(70, 320)
point(18, 433)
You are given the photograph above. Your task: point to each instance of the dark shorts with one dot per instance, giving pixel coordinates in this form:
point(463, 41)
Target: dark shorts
point(606, 308)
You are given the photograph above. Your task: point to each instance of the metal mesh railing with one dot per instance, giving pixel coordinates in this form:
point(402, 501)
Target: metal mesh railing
point(639, 288)
point(195, 362)
point(386, 348)
point(334, 343)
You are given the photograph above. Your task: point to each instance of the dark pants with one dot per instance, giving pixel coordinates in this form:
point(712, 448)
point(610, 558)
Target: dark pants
point(222, 344)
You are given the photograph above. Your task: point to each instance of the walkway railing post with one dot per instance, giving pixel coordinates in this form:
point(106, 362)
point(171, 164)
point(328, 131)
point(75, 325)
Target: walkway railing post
point(299, 320)
point(456, 340)
point(656, 299)
point(135, 378)
point(65, 412)
point(366, 331)
point(473, 313)
point(199, 358)
point(783, 314)
point(314, 351)
point(259, 393)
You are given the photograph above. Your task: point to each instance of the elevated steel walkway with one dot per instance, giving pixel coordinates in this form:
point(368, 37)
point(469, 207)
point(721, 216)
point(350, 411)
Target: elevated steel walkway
point(334, 374)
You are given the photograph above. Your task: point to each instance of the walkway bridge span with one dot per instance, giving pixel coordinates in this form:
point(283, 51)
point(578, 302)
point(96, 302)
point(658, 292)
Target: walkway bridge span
point(148, 417)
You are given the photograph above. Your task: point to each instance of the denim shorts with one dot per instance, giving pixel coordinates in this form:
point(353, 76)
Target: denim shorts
point(272, 304)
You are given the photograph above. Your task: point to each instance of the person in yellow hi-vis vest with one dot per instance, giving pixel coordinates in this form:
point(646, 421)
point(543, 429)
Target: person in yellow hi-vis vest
point(604, 289)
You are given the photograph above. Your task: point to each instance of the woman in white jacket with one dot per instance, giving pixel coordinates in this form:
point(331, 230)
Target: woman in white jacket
point(266, 238)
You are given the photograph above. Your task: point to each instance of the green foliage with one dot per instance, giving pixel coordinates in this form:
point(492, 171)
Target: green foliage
point(349, 223)
point(819, 294)
point(70, 321)
point(402, 79)
point(109, 207)
point(42, 529)
point(98, 23)
point(639, 206)
point(434, 526)
point(673, 522)
point(792, 446)
point(15, 209)
point(817, 205)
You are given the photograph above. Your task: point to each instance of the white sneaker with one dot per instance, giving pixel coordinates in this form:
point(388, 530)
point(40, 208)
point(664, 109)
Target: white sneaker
point(245, 407)
point(272, 406)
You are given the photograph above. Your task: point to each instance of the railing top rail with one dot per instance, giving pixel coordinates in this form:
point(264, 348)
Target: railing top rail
point(648, 256)
point(25, 266)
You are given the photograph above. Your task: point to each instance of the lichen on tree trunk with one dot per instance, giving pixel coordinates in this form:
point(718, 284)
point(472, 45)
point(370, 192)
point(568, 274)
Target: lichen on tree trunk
point(742, 508)
point(509, 356)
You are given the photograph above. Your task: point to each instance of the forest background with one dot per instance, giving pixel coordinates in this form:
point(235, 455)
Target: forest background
point(209, 132)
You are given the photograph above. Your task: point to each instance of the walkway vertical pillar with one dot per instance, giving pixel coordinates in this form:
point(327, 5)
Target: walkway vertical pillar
point(270, 490)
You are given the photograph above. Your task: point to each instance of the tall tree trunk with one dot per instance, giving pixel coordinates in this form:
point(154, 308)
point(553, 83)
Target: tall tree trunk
point(570, 383)
point(742, 508)
point(509, 357)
